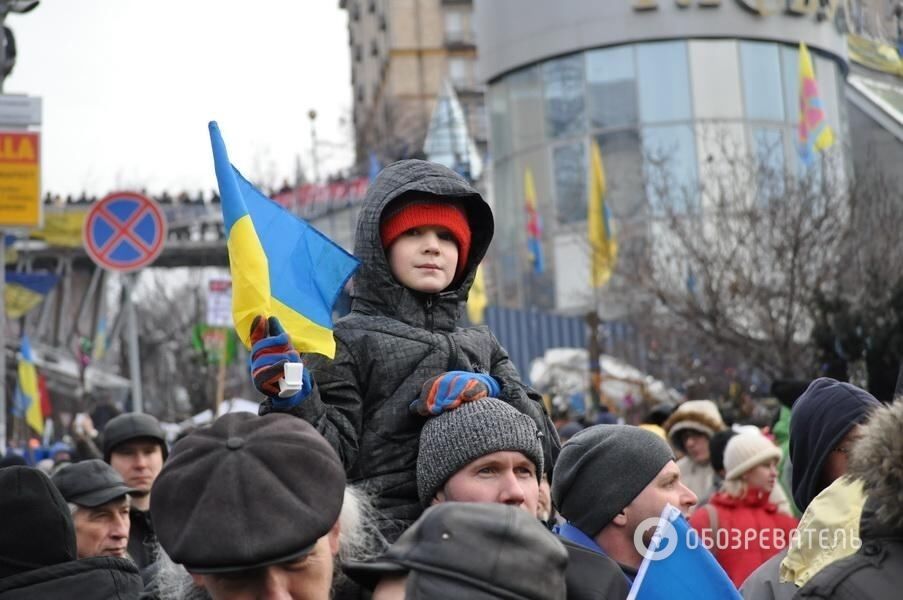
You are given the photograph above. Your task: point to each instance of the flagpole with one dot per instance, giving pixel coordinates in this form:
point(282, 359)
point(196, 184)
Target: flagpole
point(3, 344)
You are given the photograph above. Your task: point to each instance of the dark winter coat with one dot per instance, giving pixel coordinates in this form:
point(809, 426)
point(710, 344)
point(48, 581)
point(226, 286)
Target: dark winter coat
point(395, 339)
point(99, 578)
point(593, 576)
point(875, 571)
point(143, 543)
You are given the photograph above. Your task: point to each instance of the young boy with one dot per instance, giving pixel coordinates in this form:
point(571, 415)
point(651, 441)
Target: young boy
point(400, 355)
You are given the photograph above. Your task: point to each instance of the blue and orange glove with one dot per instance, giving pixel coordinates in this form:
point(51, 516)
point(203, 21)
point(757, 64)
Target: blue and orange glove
point(271, 349)
point(449, 390)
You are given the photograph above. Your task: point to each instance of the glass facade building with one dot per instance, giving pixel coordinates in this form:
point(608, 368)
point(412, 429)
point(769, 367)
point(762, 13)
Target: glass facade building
point(653, 105)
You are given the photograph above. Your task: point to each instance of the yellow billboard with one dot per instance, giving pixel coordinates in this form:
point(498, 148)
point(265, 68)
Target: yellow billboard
point(20, 179)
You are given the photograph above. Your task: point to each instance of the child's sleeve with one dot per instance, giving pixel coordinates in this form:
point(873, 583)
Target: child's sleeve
point(525, 399)
point(334, 405)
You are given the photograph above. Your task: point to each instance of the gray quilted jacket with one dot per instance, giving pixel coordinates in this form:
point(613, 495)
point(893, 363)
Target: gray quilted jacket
point(395, 339)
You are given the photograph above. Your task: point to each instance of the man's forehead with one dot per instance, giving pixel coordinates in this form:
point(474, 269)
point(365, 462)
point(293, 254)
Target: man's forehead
point(114, 504)
point(503, 456)
point(142, 444)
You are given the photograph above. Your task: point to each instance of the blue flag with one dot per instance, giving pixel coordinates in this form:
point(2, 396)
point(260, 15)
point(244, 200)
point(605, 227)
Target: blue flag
point(374, 167)
point(678, 567)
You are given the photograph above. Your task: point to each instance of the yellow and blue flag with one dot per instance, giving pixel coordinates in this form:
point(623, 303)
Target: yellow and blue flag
point(603, 245)
point(28, 398)
point(814, 132)
point(534, 223)
point(24, 291)
point(677, 565)
point(281, 266)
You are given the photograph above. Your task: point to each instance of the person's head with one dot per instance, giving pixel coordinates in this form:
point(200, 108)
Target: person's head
point(277, 488)
point(614, 477)
point(691, 426)
point(427, 241)
point(35, 522)
point(99, 501)
point(135, 445)
point(569, 430)
point(482, 451)
point(824, 423)
point(60, 452)
point(716, 449)
point(750, 463)
point(473, 551)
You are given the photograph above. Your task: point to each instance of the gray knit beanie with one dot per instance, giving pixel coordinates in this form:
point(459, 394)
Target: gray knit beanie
point(602, 469)
point(456, 438)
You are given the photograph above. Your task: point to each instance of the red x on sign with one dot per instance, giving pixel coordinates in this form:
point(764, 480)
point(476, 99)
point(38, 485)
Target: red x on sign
point(124, 231)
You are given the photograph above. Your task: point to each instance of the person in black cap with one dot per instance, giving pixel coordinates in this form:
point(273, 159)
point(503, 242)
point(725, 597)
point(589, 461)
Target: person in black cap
point(608, 480)
point(250, 506)
point(135, 445)
point(468, 550)
point(99, 502)
point(38, 547)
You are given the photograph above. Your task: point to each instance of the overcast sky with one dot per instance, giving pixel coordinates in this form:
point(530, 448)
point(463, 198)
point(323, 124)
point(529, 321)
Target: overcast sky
point(129, 85)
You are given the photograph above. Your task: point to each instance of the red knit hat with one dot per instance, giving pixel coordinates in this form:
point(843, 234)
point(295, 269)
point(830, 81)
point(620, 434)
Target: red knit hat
point(420, 214)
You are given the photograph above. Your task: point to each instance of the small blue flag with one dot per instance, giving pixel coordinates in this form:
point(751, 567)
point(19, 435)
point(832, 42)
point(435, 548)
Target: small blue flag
point(374, 167)
point(677, 566)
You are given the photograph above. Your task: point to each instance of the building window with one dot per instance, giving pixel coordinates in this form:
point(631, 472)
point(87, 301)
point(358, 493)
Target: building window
point(715, 79)
point(564, 94)
point(460, 71)
point(770, 162)
point(664, 82)
point(355, 12)
point(371, 6)
point(569, 165)
point(358, 53)
point(622, 159)
point(360, 93)
point(790, 70)
point(611, 87)
point(499, 119)
point(374, 48)
point(670, 167)
point(761, 70)
point(526, 108)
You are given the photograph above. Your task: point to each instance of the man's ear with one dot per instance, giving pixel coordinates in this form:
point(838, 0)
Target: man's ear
point(333, 538)
point(620, 519)
point(439, 498)
point(198, 580)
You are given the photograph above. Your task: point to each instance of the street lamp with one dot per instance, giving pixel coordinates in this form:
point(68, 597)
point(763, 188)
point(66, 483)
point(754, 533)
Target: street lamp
point(312, 115)
point(8, 42)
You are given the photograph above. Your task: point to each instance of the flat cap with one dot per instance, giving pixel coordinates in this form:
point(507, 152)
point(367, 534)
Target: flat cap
point(475, 551)
point(132, 426)
point(247, 492)
point(90, 483)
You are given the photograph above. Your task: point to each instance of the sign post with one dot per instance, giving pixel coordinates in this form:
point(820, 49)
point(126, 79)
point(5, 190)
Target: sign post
point(125, 232)
point(219, 314)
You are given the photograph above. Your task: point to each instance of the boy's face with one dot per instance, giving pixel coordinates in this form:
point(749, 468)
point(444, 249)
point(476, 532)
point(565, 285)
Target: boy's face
point(424, 258)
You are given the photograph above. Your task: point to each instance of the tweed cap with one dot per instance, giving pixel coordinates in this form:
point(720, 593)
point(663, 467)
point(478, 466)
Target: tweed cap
point(472, 550)
point(132, 426)
point(247, 492)
point(602, 469)
point(90, 483)
point(456, 438)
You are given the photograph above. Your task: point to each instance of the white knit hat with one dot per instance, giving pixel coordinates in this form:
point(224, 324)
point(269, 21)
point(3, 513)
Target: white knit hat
point(746, 451)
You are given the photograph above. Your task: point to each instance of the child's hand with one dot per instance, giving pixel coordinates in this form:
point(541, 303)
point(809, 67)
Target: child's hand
point(448, 390)
point(271, 349)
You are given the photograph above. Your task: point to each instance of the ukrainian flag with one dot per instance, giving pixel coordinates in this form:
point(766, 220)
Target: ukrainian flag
point(27, 388)
point(603, 245)
point(281, 266)
point(24, 291)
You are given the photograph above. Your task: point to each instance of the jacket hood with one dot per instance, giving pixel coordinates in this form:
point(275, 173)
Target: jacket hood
point(97, 577)
point(697, 415)
point(821, 417)
point(376, 292)
point(877, 461)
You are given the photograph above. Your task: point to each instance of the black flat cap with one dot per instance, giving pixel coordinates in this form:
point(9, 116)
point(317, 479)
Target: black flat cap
point(247, 492)
point(474, 551)
point(90, 483)
point(132, 426)
point(35, 526)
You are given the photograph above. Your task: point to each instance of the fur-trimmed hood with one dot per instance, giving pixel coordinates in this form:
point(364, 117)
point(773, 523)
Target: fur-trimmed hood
point(698, 415)
point(877, 460)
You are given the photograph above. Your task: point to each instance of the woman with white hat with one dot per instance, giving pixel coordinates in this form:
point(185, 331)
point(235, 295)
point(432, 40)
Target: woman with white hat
point(740, 525)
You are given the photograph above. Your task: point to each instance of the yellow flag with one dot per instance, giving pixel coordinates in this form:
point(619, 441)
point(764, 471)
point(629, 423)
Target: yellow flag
point(602, 242)
point(476, 301)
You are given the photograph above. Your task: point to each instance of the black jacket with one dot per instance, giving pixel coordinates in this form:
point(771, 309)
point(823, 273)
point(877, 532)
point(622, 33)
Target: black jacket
point(593, 576)
point(99, 578)
point(143, 543)
point(395, 339)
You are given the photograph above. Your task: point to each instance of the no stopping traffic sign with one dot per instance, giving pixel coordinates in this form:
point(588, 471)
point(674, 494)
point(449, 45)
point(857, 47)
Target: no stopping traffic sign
point(124, 232)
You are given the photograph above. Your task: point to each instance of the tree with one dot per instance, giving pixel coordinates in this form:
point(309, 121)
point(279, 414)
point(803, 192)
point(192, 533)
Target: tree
point(782, 271)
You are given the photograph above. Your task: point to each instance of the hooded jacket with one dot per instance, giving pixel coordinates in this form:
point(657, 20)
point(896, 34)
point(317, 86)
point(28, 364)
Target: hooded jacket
point(98, 578)
point(393, 340)
point(875, 571)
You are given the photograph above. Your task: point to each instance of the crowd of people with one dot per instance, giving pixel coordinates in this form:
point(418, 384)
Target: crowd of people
point(416, 464)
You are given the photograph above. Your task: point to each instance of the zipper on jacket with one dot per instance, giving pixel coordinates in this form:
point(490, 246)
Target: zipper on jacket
point(429, 312)
point(452, 364)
